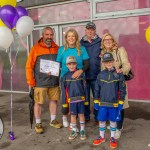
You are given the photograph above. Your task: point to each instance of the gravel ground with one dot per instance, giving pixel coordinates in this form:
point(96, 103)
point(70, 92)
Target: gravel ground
point(135, 136)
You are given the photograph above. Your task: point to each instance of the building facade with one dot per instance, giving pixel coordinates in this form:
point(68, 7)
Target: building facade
point(127, 20)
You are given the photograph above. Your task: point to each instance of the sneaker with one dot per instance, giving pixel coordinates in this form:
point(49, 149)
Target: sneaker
point(113, 143)
point(98, 141)
point(65, 123)
point(82, 135)
point(38, 128)
point(70, 128)
point(55, 124)
point(117, 134)
point(73, 135)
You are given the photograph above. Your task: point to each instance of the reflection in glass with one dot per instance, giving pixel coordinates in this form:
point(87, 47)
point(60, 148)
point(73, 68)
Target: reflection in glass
point(18, 74)
point(60, 13)
point(121, 5)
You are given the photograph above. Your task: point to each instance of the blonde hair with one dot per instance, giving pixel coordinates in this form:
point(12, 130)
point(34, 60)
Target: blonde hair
point(77, 43)
point(115, 45)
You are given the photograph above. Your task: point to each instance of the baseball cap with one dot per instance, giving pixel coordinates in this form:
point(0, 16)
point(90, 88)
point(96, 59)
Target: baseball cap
point(90, 25)
point(71, 59)
point(107, 57)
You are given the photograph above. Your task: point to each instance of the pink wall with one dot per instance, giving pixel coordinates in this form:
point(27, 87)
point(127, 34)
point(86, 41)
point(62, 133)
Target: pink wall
point(130, 33)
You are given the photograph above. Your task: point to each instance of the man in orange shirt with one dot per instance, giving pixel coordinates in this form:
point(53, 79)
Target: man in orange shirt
point(43, 83)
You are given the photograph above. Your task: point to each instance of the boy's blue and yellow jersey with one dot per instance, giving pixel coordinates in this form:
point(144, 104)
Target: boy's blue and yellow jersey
point(73, 90)
point(109, 87)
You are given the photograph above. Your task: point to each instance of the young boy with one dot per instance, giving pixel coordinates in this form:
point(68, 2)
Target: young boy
point(73, 94)
point(107, 88)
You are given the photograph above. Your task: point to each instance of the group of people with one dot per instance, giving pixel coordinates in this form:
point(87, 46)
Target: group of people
point(91, 64)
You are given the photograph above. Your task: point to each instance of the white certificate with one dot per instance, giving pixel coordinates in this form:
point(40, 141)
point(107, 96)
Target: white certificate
point(48, 66)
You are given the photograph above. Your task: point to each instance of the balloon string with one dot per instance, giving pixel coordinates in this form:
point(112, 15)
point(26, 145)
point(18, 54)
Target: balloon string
point(11, 98)
point(12, 65)
point(15, 58)
point(15, 54)
point(9, 54)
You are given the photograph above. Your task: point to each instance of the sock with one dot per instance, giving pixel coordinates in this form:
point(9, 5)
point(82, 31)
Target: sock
point(74, 127)
point(102, 128)
point(113, 128)
point(38, 120)
point(64, 118)
point(82, 126)
point(53, 117)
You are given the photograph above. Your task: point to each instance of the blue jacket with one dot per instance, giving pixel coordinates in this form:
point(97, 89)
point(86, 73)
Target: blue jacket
point(73, 90)
point(93, 50)
point(108, 86)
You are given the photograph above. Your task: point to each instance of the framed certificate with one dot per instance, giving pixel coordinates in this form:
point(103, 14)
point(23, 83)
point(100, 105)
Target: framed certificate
point(48, 66)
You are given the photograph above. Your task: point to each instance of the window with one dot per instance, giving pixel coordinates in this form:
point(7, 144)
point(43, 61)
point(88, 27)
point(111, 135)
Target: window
point(120, 8)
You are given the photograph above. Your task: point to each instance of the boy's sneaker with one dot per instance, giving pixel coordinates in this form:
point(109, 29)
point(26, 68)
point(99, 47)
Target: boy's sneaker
point(98, 141)
point(65, 123)
point(70, 128)
point(38, 128)
point(73, 135)
point(113, 143)
point(82, 135)
point(117, 134)
point(55, 124)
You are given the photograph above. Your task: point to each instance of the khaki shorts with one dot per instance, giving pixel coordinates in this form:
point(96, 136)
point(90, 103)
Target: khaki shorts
point(40, 94)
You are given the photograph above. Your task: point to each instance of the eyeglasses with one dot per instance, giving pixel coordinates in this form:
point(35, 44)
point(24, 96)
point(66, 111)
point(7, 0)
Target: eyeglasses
point(108, 40)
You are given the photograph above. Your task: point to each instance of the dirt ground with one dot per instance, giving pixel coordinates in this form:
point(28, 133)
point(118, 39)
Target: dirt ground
point(135, 136)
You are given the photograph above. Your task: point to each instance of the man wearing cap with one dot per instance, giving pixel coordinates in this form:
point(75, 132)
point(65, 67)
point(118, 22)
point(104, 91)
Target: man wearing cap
point(92, 42)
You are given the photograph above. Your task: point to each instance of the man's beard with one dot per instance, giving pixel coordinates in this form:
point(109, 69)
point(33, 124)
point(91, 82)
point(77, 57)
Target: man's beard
point(48, 41)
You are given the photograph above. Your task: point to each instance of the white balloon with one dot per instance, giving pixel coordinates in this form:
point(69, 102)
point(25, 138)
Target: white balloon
point(24, 26)
point(6, 37)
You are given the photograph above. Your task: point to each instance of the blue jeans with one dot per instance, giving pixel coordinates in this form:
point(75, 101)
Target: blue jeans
point(90, 84)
